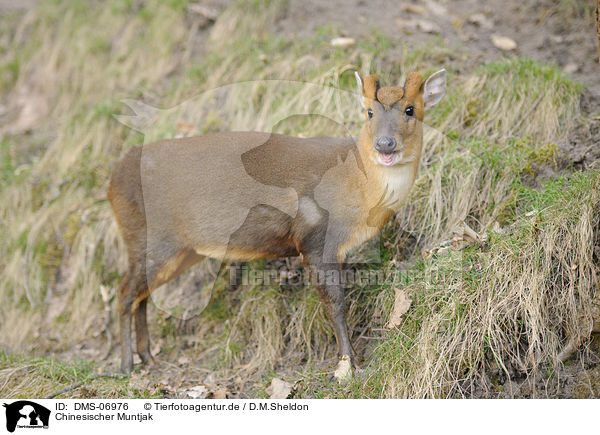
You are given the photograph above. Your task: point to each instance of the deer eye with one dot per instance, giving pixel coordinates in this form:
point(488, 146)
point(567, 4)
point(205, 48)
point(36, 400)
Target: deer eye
point(410, 111)
point(370, 113)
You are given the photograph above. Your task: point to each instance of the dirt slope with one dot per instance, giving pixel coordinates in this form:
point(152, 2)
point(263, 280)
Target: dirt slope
point(549, 31)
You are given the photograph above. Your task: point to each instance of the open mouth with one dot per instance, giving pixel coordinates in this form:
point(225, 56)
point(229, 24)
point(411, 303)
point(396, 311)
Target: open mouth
point(389, 159)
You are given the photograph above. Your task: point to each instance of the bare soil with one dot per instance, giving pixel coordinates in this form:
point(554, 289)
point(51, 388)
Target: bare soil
point(563, 33)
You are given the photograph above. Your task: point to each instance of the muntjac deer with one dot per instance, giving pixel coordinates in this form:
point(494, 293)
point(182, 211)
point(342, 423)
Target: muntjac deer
point(247, 195)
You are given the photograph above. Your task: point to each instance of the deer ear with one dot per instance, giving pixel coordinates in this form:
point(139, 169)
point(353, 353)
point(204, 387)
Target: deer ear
point(359, 85)
point(434, 88)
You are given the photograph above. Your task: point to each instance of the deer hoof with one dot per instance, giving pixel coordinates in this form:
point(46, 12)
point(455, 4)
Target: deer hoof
point(343, 372)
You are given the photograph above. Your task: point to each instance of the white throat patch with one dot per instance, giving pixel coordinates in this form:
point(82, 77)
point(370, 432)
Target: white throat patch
point(398, 182)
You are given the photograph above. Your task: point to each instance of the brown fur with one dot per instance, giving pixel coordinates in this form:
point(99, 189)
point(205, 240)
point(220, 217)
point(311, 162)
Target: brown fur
point(412, 86)
point(371, 86)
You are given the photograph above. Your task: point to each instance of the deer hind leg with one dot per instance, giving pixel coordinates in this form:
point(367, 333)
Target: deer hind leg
point(166, 271)
point(132, 286)
point(142, 335)
point(125, 302)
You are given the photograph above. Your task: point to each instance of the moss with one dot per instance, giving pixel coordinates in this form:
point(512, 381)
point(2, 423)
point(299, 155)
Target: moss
point(507, 210)
point(472, 115)
point(538, 156)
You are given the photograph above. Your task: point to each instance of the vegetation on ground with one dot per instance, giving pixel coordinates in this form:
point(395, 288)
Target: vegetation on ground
point(485, 316)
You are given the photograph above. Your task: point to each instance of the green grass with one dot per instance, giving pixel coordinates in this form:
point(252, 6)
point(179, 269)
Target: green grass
point(469, 305)
point(25, 377)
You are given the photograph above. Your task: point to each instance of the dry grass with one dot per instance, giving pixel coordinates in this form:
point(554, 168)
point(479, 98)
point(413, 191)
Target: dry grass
point(59, 244)
point(22, 377)
point(503, 311)
point(62, 243)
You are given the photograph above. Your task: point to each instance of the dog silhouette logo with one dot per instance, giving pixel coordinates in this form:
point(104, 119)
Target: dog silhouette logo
point(26, 414)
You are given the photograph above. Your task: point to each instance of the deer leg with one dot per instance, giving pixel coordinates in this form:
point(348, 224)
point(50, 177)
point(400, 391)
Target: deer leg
point(169, 269)
point(326, 277)
point(141, 332)
point(125, 295)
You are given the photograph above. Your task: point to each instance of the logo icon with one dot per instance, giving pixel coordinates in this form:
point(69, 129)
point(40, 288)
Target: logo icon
point(26, 414)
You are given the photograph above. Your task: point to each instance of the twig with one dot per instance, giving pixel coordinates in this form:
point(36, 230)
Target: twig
point(80, 383)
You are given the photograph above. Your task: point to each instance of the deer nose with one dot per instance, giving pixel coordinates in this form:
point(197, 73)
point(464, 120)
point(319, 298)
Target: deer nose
point(385, 144)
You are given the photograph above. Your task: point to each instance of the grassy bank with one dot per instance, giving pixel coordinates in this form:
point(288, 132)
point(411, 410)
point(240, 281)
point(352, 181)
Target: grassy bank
point(484, 315)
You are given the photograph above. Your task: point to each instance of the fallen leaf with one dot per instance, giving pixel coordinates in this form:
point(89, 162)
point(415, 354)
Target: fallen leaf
point(197, 392)
point(401, 305)
point(220, 394)
point(415, 9)
point(342, 42)
point(503, 42)
point(279, 389)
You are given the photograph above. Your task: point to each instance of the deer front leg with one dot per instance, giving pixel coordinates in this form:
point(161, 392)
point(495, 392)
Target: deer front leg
point(326, 277)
